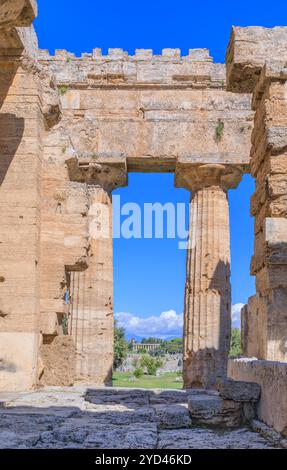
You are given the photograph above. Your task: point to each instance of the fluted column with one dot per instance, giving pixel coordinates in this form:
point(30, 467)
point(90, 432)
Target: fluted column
point(92, 322)
point(92, 326)
point(207, 310)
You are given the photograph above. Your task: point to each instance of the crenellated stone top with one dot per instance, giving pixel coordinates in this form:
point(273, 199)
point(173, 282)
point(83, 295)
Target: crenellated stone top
point(117, 68)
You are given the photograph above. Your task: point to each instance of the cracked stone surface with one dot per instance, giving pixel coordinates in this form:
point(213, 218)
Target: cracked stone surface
point(92, 418)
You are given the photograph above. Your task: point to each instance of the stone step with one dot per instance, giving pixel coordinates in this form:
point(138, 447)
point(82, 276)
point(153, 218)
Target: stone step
point(238, 390)
point(213, 411)
point(172, 416)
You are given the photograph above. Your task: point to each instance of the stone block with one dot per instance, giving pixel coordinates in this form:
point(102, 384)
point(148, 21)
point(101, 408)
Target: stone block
point(238, 390)
point(172, 416)
point(275, 231)
point(272, 377)
point(212, 410)
point(247, 52)
point(18, 360)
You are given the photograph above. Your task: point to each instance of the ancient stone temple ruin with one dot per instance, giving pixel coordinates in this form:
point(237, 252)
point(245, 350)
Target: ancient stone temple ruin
point(71, 130)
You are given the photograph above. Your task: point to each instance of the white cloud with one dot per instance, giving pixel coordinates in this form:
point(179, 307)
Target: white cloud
point(166, 325)
point(235, 314)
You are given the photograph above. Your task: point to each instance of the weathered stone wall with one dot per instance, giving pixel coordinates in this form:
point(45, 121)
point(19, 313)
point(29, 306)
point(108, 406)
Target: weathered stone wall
point(57, 364)
point(151, 110)
point(124, 113)
point(29, 105)
point(255, 62)
point(272, 377)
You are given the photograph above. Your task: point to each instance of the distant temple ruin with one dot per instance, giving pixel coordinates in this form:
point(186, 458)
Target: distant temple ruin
point(71, 130)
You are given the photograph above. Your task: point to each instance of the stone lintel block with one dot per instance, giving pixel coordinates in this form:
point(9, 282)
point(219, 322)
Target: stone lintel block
point(17, 13)
point(248, 50)
point(238, 390)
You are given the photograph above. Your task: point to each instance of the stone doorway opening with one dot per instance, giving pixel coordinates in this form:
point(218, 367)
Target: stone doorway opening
point(149, 278)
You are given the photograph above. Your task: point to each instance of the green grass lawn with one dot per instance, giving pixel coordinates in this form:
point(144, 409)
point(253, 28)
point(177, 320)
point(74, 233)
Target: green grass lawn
point(167, 380)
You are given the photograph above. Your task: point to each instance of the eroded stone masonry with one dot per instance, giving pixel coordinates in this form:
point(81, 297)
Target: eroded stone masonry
point(71, 129)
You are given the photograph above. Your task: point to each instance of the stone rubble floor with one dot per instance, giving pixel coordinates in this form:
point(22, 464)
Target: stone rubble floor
point(82, 417)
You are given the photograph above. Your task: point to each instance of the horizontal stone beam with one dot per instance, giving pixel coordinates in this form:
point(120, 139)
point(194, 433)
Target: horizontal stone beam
point(248, 50)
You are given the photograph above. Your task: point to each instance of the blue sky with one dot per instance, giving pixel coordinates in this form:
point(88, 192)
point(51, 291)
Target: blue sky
point(150, 274)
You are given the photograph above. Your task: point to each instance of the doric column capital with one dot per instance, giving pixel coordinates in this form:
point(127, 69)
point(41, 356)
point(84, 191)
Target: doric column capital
point(108, 175)
point(195, 177)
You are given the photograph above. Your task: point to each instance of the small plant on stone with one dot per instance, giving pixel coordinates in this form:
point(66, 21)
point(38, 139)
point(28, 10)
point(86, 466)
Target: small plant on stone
point(63, 90)
point(68, 59)
point(219, 129)
point(65, 324)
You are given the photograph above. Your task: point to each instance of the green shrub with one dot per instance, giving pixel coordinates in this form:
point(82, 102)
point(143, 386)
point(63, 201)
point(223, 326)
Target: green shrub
point(219, 129)
point(138, 373)
point(235, 346)
point(120, 346)
point(63, 90)
point(151, 364)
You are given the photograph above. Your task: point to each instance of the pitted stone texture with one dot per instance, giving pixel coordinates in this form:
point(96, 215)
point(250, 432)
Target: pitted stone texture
point(172, 416)
point(272, 377)
point(59, 418)
point(211, 410)
point(238, 390)
point(128, 397)
point(17, 12)
point(198, 438)
point(90, 432)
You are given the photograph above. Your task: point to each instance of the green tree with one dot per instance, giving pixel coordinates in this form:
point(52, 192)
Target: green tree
point(120, 346)
point(151, 364)
point(151, 340)
point(235, 346)
point(138, 373)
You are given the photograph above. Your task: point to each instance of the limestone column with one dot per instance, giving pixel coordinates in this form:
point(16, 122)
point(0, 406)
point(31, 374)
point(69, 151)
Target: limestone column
point(92, 323)
point(207, 310)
